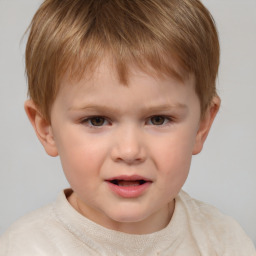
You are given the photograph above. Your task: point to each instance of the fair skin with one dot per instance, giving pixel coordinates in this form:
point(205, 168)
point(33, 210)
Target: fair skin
point(125, 150)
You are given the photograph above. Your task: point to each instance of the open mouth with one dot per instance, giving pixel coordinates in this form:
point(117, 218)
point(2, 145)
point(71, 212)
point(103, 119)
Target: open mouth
point(127, 183)
point(129, 186)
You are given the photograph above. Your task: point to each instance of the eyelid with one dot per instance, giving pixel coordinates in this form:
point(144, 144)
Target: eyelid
point(89, 118)
point(86, 120)
point(167, 120)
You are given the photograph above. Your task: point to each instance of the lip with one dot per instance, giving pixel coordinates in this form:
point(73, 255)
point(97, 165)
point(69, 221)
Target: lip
point(129, 191)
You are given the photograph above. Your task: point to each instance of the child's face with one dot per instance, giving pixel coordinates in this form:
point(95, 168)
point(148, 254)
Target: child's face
point(126, 150)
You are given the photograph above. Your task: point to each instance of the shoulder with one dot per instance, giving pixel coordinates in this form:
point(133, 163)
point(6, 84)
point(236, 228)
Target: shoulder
point(46, 231)
point(32, 227)
point(208, 224)
point(40, 232)
point(31, 220)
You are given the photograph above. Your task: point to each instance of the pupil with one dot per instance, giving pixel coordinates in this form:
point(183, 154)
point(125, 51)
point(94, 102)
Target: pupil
point(97, 121)
point(157, 120)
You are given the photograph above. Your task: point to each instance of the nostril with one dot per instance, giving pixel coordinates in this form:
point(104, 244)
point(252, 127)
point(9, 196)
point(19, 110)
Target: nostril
point(130, 160)
point(128, 151)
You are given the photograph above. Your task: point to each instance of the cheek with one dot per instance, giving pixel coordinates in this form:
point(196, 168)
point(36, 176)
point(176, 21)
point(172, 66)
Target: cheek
point(81, 158)
point(173, 169)
point(173, 154)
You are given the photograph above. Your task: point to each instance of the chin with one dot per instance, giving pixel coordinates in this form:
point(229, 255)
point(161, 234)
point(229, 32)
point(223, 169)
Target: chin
point(128, 216)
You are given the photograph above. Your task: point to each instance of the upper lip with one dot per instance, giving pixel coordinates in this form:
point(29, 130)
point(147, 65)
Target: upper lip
point(129, 178)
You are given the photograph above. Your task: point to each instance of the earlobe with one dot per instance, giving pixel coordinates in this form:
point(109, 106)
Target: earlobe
point(205, 125)
point(42, 128)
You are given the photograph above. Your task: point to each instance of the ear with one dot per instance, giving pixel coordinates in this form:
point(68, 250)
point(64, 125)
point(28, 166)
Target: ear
point(42, 128)
point(205, 125)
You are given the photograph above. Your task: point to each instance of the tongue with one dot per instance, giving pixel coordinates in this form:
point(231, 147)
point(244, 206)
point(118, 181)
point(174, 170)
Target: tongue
point(126, 183)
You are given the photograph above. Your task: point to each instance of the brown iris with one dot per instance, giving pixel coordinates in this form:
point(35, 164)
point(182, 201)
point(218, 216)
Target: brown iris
point(157, 120)
point(97, 121)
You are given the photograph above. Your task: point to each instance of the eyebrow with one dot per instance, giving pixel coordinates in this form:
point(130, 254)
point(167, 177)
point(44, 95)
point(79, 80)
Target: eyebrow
point(107, 109)
point(166, 107)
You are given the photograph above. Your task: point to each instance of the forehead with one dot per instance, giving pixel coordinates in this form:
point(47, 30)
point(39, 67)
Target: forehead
point(104, 84)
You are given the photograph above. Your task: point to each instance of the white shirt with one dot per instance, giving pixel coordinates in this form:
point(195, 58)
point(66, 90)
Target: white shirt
point(58, 229)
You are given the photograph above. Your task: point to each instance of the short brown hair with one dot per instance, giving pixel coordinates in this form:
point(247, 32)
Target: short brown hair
point(74, 35)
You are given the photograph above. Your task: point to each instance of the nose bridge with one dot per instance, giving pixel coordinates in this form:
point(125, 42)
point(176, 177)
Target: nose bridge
point(129, 145)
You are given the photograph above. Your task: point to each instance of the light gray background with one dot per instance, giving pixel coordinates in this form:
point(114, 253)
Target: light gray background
point(224, 174)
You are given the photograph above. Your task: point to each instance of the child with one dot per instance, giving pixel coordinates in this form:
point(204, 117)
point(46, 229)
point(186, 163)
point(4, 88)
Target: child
point(124, 92)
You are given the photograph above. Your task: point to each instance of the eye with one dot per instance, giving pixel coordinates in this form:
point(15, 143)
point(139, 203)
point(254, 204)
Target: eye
point(158, 120)
point(95, 121)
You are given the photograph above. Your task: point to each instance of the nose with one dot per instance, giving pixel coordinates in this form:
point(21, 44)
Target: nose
point(129, 146)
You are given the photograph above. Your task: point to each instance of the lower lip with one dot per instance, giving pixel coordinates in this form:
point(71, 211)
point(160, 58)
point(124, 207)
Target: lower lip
point(129, 191)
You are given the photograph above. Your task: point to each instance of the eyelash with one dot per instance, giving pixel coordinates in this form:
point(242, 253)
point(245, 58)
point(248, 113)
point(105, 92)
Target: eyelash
point(166, 120)
point(88, 121)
